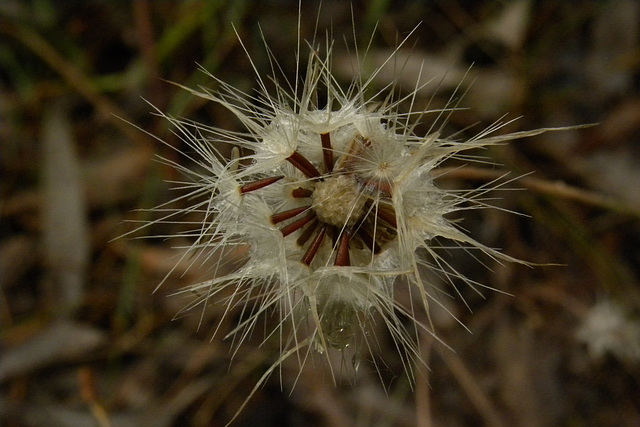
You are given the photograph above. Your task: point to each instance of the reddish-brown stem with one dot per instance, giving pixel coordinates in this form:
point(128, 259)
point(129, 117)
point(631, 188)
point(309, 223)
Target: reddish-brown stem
point(282, 216)
point(388, 215)
point(303, 165)
point(297, 224)
point(327, 151)
point(301, 193)
point(261, 183)
point(342, 256)
point(307, 233)
point(369, 241)
point(315, 245)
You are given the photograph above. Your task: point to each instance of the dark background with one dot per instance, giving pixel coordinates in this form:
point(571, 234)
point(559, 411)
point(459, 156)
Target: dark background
point(86, 341)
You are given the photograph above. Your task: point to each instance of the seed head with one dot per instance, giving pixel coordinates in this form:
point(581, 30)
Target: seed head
point(334, 198)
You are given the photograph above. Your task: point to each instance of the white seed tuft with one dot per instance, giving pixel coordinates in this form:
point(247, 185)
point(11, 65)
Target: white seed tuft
point(337, 207)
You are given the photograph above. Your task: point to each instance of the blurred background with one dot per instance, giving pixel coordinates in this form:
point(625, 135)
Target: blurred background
point(86, 341)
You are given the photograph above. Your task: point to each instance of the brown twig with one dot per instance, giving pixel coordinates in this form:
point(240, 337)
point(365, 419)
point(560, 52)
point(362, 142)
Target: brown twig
point(542, 186)
point(422, 397)
point(473, 390)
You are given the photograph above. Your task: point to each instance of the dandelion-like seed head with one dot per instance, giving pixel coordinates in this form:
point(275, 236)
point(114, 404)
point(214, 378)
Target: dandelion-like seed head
point(333, 200)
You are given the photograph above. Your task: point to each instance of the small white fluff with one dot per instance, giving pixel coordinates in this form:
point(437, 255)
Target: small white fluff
point(606, 329)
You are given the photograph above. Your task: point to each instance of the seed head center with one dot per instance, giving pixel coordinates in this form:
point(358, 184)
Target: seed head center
point(338, 201)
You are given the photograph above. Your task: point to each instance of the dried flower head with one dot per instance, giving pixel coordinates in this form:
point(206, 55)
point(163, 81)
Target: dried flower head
point(331, 198)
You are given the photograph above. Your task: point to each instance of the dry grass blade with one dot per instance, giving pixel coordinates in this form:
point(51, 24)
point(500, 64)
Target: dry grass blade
point(62, 341)
point(66, 235)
